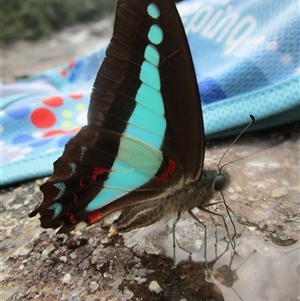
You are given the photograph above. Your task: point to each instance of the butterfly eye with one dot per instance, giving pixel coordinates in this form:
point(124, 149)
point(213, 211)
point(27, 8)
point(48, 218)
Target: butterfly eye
point(219, 182)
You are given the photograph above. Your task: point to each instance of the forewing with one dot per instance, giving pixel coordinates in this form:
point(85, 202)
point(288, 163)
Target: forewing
point(144, 133)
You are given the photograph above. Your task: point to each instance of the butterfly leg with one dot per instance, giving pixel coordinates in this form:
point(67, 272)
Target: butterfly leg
point(205, 238)
point(232, 223)
point(216, 241)
point(232, 242)
point(177, 218)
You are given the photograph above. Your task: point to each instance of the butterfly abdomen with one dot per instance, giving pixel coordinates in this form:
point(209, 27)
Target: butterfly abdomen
point(194, 194)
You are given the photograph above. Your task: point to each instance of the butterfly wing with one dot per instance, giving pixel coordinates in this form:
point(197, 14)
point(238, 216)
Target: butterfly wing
point(145, 129)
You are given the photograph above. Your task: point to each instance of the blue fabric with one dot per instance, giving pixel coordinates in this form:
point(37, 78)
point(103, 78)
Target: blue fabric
point(246, 56)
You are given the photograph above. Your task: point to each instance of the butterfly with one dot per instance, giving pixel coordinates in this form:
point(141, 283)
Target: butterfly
point(142, 152)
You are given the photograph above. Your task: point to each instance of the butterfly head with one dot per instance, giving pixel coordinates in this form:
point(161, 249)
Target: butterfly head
point(212, 181)
point(222, 178)
point(221, 181)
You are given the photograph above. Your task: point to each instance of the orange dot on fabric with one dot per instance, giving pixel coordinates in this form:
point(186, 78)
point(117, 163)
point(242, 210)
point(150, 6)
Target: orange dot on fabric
point(42, 118)
point(63, 73)
point(76, 95)
point(55, 101)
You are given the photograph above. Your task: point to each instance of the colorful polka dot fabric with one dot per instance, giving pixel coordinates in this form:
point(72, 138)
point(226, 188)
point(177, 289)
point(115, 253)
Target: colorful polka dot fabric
point(246, 57)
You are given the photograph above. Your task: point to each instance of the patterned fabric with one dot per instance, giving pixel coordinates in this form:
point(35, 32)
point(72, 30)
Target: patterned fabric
point(246, 56)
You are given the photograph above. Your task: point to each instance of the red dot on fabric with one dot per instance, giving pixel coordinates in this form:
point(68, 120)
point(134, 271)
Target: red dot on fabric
point(71, 64)
point(54, 133)
point(55, 101)
point(42, 118)
point(76, 96)
point(63, 73)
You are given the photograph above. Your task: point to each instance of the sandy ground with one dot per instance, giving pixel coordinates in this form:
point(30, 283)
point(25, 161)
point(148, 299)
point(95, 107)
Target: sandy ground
point(86, 265)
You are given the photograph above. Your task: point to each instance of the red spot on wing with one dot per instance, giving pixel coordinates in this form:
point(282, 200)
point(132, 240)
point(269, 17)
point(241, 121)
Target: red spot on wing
point(95, 217)
point(71, 218)
point(98, 171)
point(168, 170)
point(75, 198)
point(81, 183)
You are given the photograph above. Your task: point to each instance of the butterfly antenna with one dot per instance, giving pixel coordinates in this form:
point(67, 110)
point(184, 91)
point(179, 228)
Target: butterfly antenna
point(234, 141)
point(219, 170)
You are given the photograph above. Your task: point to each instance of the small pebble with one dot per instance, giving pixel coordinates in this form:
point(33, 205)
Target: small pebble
point(106, 275)
point(48, 262)
point(40, 182)
point(91, 240)
point(78, 233)
point(154, 287)
point(230, 190)
point(9, 232)
point(104, 240)
point(140, 280)
point(49, 249)
point(134, 249)
point(279, 192)
point(71, 244)
point(127, 294)
point(238, 189)
point(63, 259)
point(93, 286)
point(16, 206)
point(73, 255)
point(94, 260)
point(67, 279)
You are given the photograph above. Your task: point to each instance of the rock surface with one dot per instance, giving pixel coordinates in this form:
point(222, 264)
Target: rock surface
point(85, 265)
